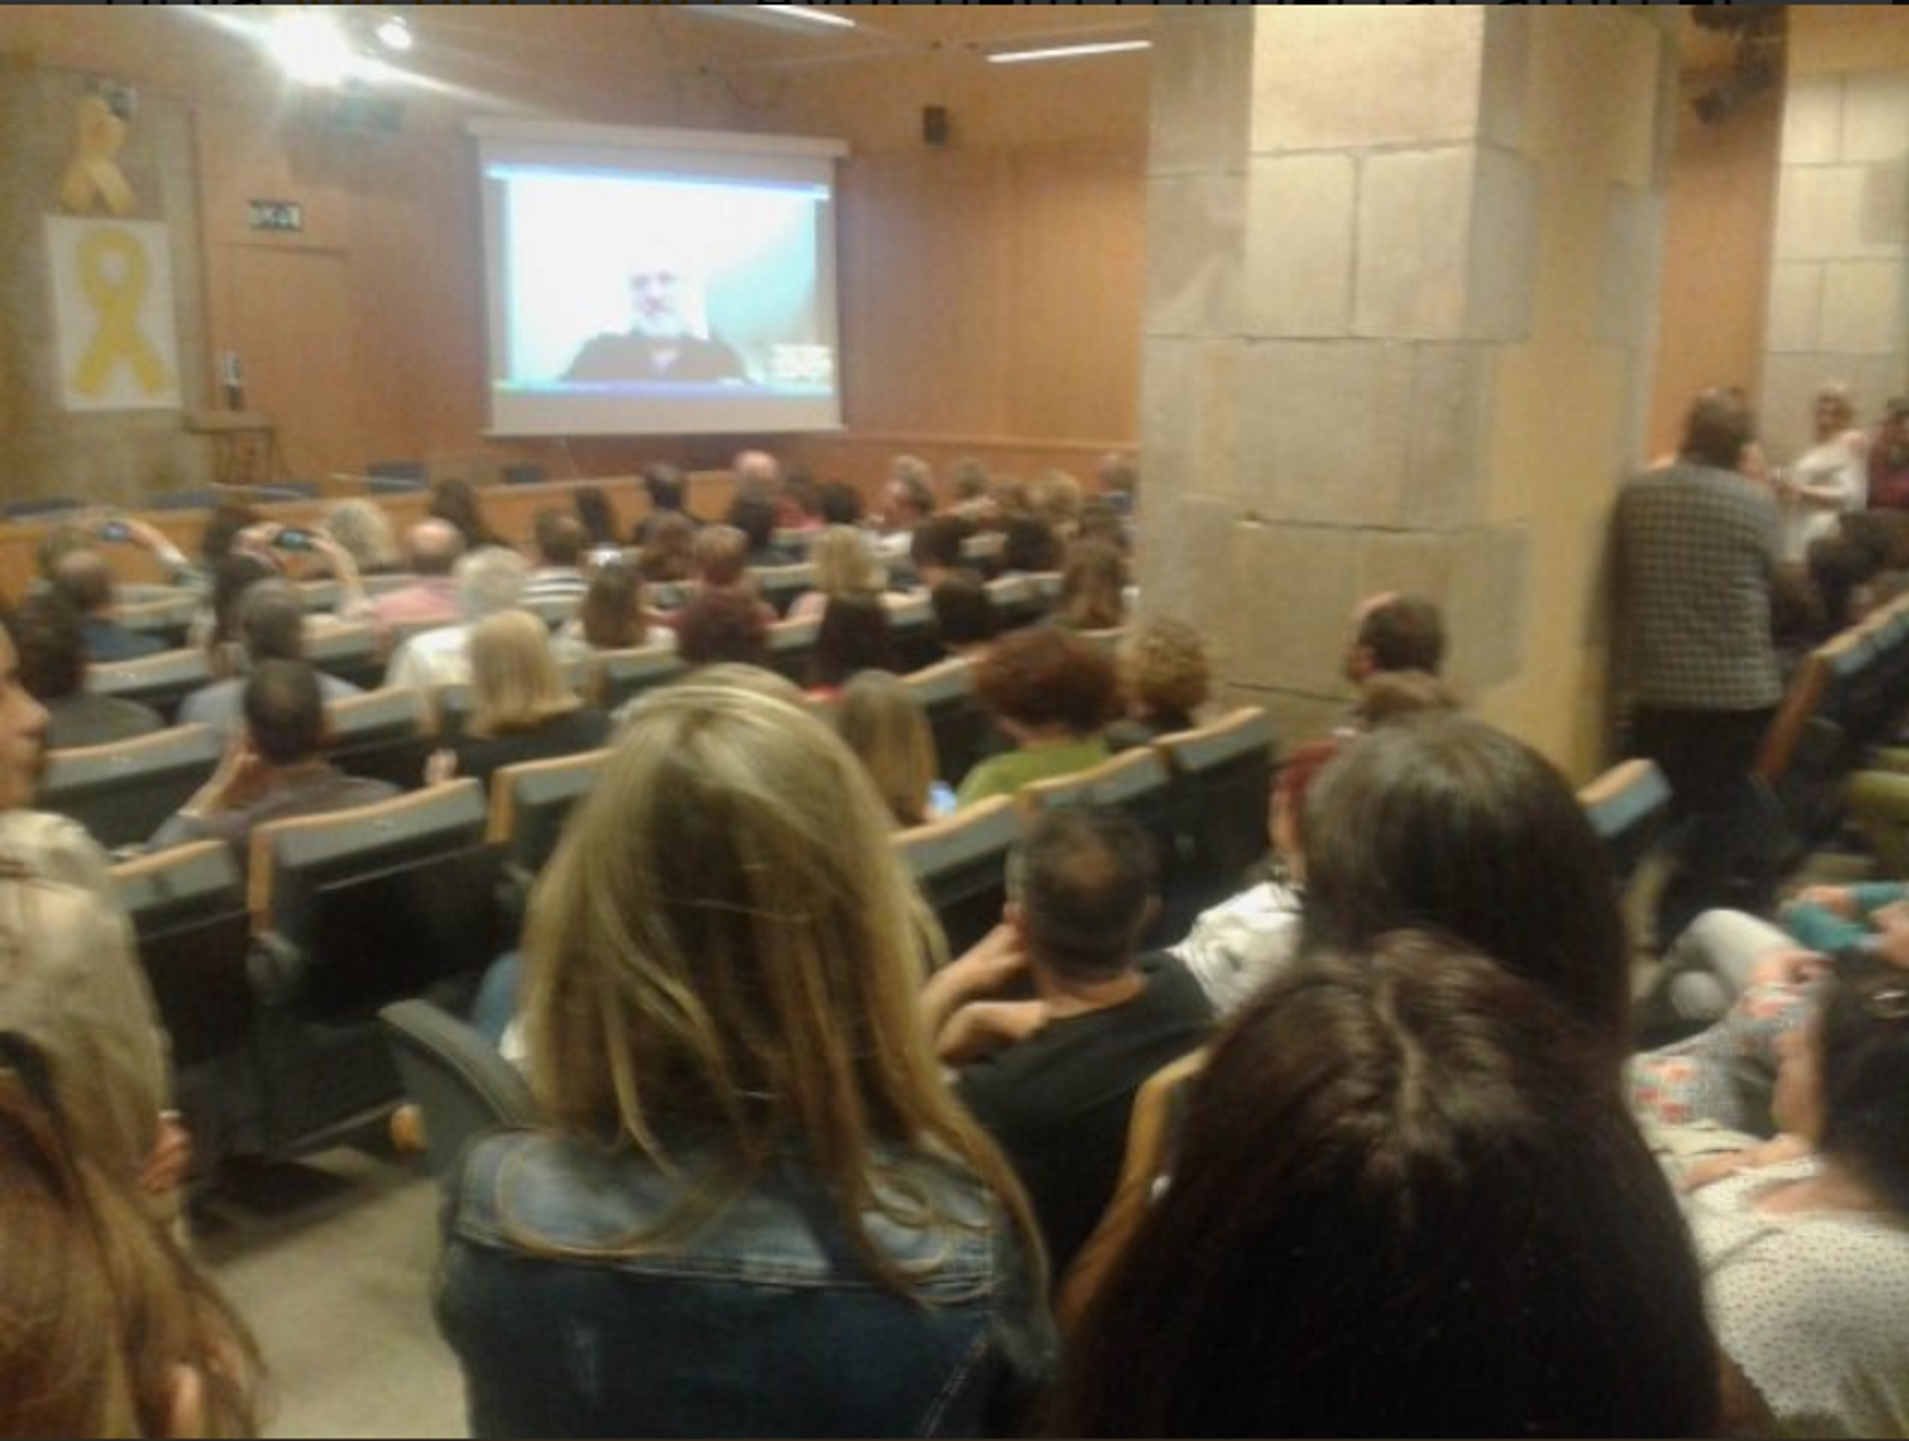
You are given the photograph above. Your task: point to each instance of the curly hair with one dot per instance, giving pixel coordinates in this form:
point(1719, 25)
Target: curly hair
point(1043, 676)
point(1164, 669)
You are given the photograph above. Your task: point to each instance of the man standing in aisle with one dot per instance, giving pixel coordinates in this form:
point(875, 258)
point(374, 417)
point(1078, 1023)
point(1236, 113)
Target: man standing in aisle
point(1696, 553)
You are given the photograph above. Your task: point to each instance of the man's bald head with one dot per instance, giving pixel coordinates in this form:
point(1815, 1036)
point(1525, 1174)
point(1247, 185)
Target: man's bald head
point(434, 547)
point(757, 470)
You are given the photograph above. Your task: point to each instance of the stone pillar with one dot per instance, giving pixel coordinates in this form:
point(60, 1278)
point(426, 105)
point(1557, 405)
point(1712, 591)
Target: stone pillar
point(1837, 284)
point(113, 457)
point(1401, 289)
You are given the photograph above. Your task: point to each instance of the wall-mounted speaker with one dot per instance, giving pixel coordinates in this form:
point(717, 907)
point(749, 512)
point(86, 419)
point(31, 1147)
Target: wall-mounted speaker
point(934, 125)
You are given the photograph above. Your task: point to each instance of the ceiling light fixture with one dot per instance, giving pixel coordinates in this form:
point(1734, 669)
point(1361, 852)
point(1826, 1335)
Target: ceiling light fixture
point(311, 47)
point(394, 34)
point(811, 12)
point(1069, 52)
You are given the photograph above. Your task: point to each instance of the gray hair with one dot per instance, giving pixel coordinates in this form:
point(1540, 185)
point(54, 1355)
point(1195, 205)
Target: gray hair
point(490, 580)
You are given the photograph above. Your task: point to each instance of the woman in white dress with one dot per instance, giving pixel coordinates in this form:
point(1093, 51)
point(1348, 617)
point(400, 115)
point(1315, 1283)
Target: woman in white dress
point(1829, 478)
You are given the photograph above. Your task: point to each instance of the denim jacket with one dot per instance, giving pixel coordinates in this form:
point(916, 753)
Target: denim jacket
point(762, 1321)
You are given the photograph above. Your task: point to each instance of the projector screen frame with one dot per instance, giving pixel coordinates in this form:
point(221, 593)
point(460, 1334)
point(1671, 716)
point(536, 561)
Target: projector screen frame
point(522, 407)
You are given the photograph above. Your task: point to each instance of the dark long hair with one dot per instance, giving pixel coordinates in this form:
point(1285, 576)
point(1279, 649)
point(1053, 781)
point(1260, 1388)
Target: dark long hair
point(1439, 821)
point(1404, 1206)
point(1864, 1035)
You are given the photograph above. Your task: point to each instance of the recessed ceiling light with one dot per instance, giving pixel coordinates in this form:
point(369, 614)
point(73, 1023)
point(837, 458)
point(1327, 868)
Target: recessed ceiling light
point(1069, 52)
point(310, 46)
point(394, 34)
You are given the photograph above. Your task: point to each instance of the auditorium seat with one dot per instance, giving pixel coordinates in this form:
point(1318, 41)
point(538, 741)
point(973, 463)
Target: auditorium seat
point(382, 735)
point(623, 675)
point(965, 734)
point(187, 907)
point(1628, 807)
point(125, 791)
point(911, 627)
point(42, 508)
point(529, 805)
point(791, 642)
point(460, 1082)
point(353, 653)
point(161, 681)
point(354, 910)
point(781, 584)
point(1222, 782)
point(960, 866)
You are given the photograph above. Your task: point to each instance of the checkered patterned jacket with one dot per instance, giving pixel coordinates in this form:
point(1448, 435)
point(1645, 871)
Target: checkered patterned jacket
point(1696, 550)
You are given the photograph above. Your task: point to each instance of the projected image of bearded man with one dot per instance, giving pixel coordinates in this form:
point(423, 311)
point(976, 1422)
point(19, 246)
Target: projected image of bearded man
point(661, 344)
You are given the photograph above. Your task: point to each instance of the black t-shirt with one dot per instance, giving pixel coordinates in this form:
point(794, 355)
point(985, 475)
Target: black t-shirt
point(1058, 1103)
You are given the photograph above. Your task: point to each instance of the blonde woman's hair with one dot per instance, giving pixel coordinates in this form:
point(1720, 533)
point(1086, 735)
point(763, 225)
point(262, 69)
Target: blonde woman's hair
point(515, 683)
point(363, 530)
point(724, 954)
point(844, 565)
point(880, 720)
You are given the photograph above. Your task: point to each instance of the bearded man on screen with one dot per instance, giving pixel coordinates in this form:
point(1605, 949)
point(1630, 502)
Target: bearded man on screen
point(661, 343)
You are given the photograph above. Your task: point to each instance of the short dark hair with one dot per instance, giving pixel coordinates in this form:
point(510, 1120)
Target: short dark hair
point(723, 625)
point(285, 712)
point(595, 514)
point(1042, 676)
point(560, 538)
point(1864, 1037)
point(232, 579)
point(222, 529)
point(1404, 632)
point(1717, 428)
point(754, 514)
point(272, 622)
point(665, 483)
point(854, 635)
point(1406, 1201)
point(1440, 821)
point(1029, 543)
point(85, 580)
point(937, 541)
point(965, 612)
point(51, 645)
point(1083, 877)
point(841, 503)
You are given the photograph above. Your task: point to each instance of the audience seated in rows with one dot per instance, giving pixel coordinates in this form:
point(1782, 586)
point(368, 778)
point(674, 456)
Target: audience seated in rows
point(1052, 694)
point(721, 965)
point(276, 771)
point(1054, 1020)
point(53, 668)
point(520, 708)
point(270, 625)
point(363, 530)
point(614, 614)
point(487, 581)
point(1030, 546)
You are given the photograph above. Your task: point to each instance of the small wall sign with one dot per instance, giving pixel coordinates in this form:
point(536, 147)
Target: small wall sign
point(285, 217)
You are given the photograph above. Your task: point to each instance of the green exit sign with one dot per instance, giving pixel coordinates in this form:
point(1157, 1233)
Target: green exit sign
point(286, 217)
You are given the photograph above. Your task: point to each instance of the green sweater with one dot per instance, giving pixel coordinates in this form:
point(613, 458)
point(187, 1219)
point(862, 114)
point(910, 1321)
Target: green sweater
point(1003, 775)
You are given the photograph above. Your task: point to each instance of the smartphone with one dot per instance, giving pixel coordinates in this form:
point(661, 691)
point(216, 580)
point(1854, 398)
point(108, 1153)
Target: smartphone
point(291, 539)
point(116, 531)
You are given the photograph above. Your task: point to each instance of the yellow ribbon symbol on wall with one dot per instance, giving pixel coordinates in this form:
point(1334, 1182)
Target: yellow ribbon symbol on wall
point(116, 300)
point(94, 171)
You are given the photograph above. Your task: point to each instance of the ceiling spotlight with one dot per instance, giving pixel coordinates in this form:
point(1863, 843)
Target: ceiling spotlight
point(1068, 52)
point(811, 12)
point(311, 48)
point(394, 33)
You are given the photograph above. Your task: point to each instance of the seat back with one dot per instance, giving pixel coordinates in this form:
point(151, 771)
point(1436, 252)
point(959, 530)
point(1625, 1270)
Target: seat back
point(161, 681)
point(965, 734)
point(1016, 602)
point(781, 584)
point(383, 900)
point(531, 802)
point(381, 735)
point(1628, 806)
point(166, 615)
point(458, 1079)
point(554, 611)
point(353, 653)
point(1222, 781)
point(791, 642)
point(960, 865)
point(911, 627)
point(125, 791)
point(623, 675)
point(187, 906)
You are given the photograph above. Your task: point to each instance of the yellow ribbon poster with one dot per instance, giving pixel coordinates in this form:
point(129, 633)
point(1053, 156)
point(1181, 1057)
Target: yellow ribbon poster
point(95, 171)
point(113, 314)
